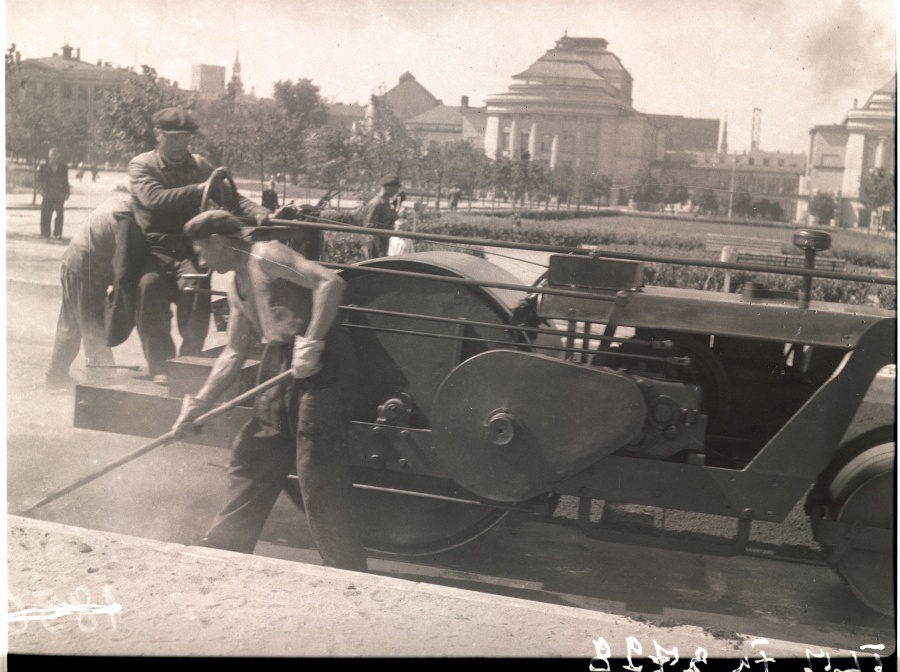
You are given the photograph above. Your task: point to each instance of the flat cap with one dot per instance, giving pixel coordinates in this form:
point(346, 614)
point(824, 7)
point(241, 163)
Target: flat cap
point(391, 181)
point(175, 119)
point(212, 221)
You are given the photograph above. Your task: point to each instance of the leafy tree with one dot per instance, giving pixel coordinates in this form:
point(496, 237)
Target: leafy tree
point(877, 189)
point(128, 111)
point(385, 146)
point(676, 194)
point(466, 166)
point(301, 103)
point(332, 154)
point(707, 203)
point(648, 192)
point(742, 204)
point(595, 187)
point(822, 207)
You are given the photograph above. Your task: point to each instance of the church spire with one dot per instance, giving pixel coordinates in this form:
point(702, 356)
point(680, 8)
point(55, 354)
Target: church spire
point(236, 86)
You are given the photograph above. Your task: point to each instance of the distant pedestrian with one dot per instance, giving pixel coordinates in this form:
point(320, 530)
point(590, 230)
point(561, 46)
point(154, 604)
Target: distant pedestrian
point(94, 172)
point(270, 197)
point(53, 182)
point(455, 195)
point(80, 172)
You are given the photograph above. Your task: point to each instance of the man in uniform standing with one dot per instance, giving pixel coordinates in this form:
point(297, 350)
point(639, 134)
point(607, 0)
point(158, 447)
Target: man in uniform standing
point(167, 187)
point(293, 304)
point(379, 214)
point(53, 180)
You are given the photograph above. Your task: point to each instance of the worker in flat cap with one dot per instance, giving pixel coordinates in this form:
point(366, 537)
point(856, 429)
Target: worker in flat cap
point(380, 214)
point(293, 304)
point(167, 187)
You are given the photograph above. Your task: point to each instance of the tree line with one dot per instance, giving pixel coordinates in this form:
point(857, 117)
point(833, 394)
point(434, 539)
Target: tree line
point(288, 135)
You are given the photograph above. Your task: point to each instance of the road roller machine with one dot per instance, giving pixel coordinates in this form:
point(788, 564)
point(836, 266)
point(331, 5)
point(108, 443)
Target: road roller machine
point(479, 395)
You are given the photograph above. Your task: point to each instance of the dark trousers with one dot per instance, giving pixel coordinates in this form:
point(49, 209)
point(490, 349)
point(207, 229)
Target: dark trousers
point(158, 288)
point(80, 318)
point(48, 207)
point(376, 246)
point(300, 424)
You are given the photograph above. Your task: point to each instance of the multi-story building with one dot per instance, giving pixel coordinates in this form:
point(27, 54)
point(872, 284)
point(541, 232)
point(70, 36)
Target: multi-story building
point(443, 124)
point(208, 81)
point(773, 176)
point(572, 109)
point(840, 154)
point(67, 82)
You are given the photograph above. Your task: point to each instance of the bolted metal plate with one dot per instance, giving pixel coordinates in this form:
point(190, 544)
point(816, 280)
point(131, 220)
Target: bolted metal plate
point(509, 425)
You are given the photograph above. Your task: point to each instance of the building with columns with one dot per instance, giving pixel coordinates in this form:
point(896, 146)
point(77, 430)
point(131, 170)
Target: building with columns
point(840, 154)
point(572, 108)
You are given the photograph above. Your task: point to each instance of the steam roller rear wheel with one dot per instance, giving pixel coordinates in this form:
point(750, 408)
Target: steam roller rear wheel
point(395, 522)
point(861, 494)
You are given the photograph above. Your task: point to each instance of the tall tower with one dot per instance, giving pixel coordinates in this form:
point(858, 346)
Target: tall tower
point(724, 147)
point(756, 130)
point(236, 86)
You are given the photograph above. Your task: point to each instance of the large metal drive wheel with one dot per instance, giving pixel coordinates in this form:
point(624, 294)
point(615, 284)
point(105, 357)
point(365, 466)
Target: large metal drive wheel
point(859, 492)
point(407, 524)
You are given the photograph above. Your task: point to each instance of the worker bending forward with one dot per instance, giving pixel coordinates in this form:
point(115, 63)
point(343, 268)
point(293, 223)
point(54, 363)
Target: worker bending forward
point(293, 304)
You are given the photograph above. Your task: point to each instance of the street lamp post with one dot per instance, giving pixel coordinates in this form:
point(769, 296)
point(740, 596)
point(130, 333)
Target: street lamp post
point(731, 193)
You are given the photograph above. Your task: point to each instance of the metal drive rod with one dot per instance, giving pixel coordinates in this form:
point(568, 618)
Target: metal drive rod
point(473, 283)
point(492, 325)
point(676, 361)
point(560, 249)
point(163, 440)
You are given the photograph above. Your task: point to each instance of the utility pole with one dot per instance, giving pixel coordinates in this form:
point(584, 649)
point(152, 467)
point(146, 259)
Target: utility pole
point(731, 193)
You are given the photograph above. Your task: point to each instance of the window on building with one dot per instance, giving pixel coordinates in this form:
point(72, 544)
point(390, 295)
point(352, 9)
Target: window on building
point(505, 144)
point(524, 139)
point(831, 160)
point(67, 91)
point(546, 143)
point(751, 161)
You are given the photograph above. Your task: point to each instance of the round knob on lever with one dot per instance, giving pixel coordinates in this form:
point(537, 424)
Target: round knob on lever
point(811, 239)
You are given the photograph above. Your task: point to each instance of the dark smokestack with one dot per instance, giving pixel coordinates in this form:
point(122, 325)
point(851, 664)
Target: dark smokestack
point(78, 54)
point(465, 102)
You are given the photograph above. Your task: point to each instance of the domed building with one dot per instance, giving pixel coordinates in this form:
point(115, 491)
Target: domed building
point(572, 108)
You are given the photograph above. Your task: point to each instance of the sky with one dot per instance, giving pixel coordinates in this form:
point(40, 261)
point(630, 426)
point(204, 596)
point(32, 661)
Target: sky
point(802, 62)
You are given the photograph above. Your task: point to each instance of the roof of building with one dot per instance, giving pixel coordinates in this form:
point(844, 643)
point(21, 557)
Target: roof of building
point(560, 68)
point(347, 110)
point(408, 98)
point(578, 62)
point(448, 115)
point(60, 65)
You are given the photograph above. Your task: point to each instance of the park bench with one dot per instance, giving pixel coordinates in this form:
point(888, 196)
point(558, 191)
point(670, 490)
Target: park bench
point(748, 250)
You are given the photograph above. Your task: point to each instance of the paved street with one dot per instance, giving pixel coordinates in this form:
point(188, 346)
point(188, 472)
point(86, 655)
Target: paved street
point(172, 493)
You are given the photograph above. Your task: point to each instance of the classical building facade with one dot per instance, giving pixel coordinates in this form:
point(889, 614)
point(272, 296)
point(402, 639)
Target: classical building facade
point(840, 154)
point(773, 176)
point(572, 108)
point(66, 81)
